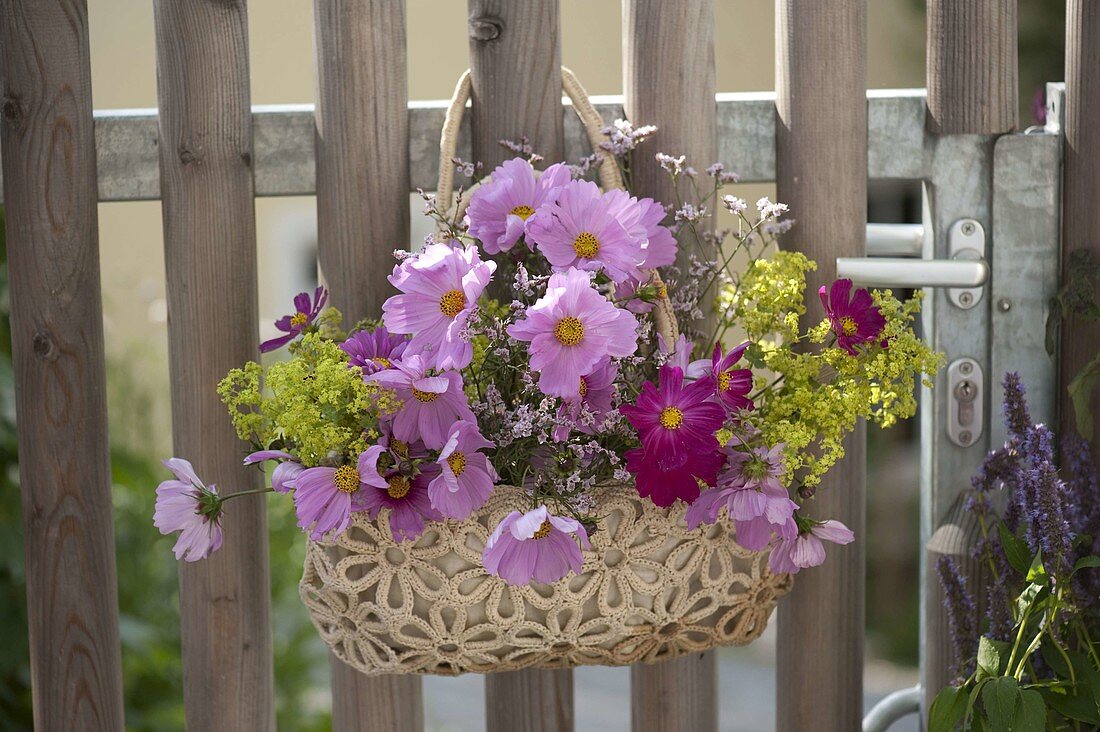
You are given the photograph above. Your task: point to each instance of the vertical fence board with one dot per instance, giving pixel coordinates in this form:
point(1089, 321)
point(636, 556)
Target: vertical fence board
point(821, 173)
point(515, 68)
point(668, 81)
point(971, 66)
point(205, 144)
point(57, 346)
point(362, 216)
point(1081, 188)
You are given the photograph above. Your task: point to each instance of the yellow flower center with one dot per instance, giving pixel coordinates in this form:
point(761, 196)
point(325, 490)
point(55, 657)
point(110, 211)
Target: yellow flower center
point(382, 361)
point(452, 302)
point(569, 331)
point(427, 397)
point(399, 486)
point(584, 387)
point(586, 245)
point(848, 326)
point(671, 418)
point(457, 461)
point(346, 479)
point(724, 381)
point(543, 531)
point(662, 291)
point(399, 448)
point(524, 212)
point(298, 320)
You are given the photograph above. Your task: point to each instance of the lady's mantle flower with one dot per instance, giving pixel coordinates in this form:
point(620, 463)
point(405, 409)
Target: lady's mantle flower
point(306, 311)
point(374, 350)
point(431, 404)
point(466, 477)
point(588, 410)
point(193, 509)
point(440, 287)
point(673, 420)
point(384, 486)
point(733, 384)
point(535, 545)
point(282, 478)
point(570, 329)
point(663, 484)
point(588, 230)
point(854, 317)
point(805, 549)
point(325, 497)
point(501, 207)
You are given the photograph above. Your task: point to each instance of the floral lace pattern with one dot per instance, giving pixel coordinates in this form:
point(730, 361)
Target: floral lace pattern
point(650, 590)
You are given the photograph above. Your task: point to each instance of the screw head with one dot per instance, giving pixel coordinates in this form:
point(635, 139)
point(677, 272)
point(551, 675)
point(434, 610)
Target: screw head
point(965, 437)
point(966, 299)
point(965, 367)
point(1004, 304)
point(968, 228)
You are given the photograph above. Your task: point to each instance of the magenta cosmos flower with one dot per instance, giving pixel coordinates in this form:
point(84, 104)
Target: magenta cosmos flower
point(854, 317)
point(664, 483)
point(674, 420)
point(306, 311)
point(584, 228)
point(466, 477)
point(804, 549)
point(324, 498)
point(431, 404)
point(384, 486)
point(374, 350)
point(588, 411)
point(501, 207)
point(282, 478)
point(733, 385)
point(535, 546)
point(188, 506)
point(440, 287)
point(570, 329)
point(642, 219)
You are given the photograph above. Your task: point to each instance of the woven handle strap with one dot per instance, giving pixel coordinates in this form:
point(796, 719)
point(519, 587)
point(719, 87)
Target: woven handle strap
point(609, 174)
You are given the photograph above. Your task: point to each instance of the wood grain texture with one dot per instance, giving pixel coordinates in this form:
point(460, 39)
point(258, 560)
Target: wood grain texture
point(362, 216)
point(57, 344)
point(668, 81)
point(971, 64)
point(821, 173)
point(1081, 189)
point(210, 255)
point(532, 700)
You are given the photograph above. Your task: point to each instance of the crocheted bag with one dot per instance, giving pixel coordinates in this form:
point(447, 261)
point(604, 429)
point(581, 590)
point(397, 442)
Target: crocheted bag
point(649, 590)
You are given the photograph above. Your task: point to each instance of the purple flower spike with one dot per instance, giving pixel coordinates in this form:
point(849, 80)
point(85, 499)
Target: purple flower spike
point(854, 317)
point(306, 311)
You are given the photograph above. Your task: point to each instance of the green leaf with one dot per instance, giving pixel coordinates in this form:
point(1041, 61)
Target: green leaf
point(999, 698)
point(1032, 597)
point(1016, 549)
point(991, 655)
point(947, 709)
point(1037, 573)
point(1086, 562)
point(1073, 706)
point(1031, 712)
point(1080, 393)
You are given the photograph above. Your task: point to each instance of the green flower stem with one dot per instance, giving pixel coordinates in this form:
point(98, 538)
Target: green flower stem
point(252, 492)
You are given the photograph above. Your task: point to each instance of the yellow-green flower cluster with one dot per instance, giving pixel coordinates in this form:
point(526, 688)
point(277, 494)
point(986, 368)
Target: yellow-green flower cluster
point(768, 300)
point(313, 403)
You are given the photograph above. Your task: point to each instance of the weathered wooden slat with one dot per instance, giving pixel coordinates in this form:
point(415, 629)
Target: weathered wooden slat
point(60, 383)
point(972, 66)
point(821, 164)
point(206, 158)
point(362, 216)
point(515, 68)
point(1081, 188)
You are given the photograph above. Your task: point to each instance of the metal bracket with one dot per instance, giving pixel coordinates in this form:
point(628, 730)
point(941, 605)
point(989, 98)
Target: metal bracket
point(965, 242)
point(966, 412)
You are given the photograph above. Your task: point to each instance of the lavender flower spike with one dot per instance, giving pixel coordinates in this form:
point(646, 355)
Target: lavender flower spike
point(962, 616)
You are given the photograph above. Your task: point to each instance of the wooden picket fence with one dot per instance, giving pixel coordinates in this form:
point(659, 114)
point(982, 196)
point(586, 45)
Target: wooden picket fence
point(215, 156)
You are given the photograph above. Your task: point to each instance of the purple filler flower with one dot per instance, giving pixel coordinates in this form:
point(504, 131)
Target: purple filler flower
point(466, 476)
point(570, 329)
point(431, 404)
point(585, 229)
point(405, 496)
point(805, 549)
point(501, 207)
point(535, 545)
point(193, 509)
point(588, 411)
point(282, 478)
point(306, 311)
point(440, 287)
point(673, 420)
point(854, 317)
point(325, 497)
point(374, 350)
point(663, 485)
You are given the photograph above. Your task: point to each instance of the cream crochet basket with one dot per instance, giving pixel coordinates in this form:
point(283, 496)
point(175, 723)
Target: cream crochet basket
point(649, 590)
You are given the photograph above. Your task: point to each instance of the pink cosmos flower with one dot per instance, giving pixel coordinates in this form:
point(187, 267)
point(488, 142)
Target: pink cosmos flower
point(324, 498)
point(804, 549)
point(733, 384)
point(535, 545)
point(282, 478)
point(570, 329)
point(431, 404)
point(374, 350)
point(663, 484)
point(188, 506)
point(854, 317)
point(584, 229)
point(306, 311)
point(466, 477)
point(405, 496)
point(501, 207)
point(588, 411)
point(673, 420)
point(440, 287)
point(642, 218)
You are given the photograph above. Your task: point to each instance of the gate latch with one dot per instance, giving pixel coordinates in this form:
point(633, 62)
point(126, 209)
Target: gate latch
point(965, 412)
point(965, 242)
